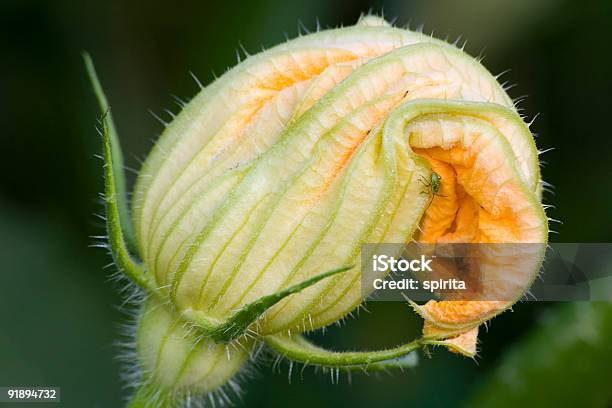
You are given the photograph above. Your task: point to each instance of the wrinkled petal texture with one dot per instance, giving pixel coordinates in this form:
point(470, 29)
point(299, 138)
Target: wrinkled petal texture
point(282, 168)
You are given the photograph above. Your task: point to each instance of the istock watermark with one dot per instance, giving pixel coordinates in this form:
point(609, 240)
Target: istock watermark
point(383, 263)
point(486, 272)
point(386, 263)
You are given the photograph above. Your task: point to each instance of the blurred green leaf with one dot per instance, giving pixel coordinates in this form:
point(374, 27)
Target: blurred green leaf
point(565, 362)
point(56, 313)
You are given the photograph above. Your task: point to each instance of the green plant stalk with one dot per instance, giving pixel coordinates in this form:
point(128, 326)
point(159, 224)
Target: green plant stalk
point(298, 348)
point(116, 234)
point(119, 176)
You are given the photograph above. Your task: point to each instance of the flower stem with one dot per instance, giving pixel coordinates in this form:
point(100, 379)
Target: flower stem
point(297, 348)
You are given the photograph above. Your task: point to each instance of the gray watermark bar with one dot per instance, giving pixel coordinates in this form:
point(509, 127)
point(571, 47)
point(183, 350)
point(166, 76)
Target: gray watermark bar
point(487, 272)
point(29, 394)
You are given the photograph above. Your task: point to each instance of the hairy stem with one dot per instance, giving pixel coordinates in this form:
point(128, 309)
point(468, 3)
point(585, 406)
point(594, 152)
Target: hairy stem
point(297, 348)
point(120, 184)
point(134, 270)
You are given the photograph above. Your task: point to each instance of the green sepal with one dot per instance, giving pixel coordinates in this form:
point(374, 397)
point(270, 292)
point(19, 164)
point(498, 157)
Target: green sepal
point(117, 155)
point(121, 255)
point(238, 324)
point(298, 348)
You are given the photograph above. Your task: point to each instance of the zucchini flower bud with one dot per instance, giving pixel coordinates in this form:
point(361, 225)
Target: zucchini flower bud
point(249, 214)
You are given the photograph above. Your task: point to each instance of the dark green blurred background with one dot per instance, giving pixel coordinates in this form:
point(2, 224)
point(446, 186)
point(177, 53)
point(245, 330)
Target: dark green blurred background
point(59, 315)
